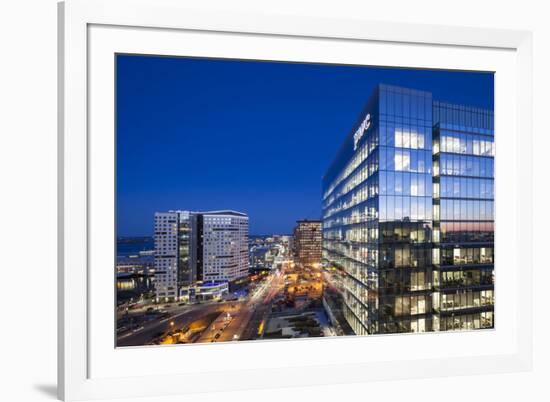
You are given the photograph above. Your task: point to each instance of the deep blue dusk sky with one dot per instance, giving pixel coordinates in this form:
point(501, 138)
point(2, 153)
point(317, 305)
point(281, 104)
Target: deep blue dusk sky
point(256, 137)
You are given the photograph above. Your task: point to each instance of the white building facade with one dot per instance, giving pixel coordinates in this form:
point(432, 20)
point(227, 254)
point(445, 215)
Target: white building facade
point(225, 246)
point(196, 248)
point(171, 253)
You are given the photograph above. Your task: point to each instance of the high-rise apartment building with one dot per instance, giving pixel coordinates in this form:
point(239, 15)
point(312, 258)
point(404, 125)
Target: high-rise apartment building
point(199, 247)
point(224, 246)
point(418, 256)
point(172, 253)
point(307, 242)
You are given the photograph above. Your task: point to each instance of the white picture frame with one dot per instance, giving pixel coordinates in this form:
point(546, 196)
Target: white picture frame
point(90, 32)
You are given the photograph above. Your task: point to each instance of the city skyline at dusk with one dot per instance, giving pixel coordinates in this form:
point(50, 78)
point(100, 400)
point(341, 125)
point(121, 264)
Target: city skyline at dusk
point(284, 200)
point(257, 137)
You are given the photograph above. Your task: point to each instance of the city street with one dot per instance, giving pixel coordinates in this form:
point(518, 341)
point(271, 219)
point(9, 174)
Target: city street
point(236, 320)
point(241, 323)
point(289, 289)
point(144, 335)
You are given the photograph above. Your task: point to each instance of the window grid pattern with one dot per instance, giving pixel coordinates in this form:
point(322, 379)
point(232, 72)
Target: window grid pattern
point(409, 215)
point(464, 151)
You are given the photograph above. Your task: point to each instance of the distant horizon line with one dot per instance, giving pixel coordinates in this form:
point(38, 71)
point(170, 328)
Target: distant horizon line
point(263, 234)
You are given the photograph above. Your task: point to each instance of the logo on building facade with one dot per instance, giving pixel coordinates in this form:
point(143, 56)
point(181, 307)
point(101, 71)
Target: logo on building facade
point(360, 131)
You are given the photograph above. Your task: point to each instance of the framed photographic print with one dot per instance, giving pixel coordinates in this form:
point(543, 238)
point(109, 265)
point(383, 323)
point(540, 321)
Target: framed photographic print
point(246, 196)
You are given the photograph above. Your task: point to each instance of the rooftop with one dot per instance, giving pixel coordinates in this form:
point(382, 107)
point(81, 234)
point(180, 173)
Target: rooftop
point(223, 212)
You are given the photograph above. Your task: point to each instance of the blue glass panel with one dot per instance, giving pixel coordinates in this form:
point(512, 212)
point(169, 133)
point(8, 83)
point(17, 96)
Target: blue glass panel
point(398, 183)
point(406, 105)
point(390, 208)
point(428, 109)
point(390, 103)
point(428, 207)
point(382, 183)
point(382, 101)
point(390, 183)
point(398, 205)
point(382, 208)
point(406, 207)
point(406, 184)
point(399, 104)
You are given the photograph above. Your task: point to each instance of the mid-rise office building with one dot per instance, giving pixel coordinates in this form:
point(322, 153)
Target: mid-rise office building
point(199, 248)
point(383, 219)
point(307, 242)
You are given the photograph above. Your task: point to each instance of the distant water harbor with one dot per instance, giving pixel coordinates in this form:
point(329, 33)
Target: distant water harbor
point(132, 246)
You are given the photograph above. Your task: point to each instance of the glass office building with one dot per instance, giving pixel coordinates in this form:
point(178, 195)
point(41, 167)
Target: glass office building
point(463, 217)
point(382, 221)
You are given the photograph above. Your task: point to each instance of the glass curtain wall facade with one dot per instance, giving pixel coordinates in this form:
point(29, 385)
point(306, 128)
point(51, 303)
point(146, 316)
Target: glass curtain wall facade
point(382, 221)
point(405, 211)
point(463, 158)
point(350, 219)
